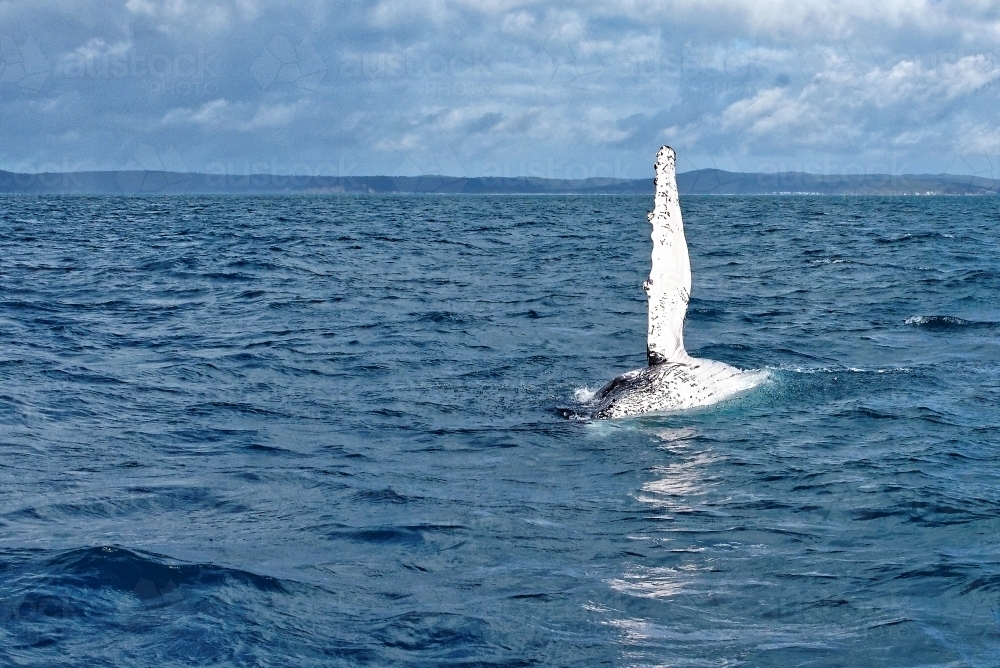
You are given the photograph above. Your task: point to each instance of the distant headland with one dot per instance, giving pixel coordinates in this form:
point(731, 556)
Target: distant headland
point(698, 182)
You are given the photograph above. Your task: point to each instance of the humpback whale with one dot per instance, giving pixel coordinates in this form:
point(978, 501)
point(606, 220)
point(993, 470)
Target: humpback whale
point(673, 380)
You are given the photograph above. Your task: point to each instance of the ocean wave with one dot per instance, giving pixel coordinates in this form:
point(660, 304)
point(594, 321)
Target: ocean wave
point(913, 236)
point(946, 322)
point(123, 569)
point(356, 453)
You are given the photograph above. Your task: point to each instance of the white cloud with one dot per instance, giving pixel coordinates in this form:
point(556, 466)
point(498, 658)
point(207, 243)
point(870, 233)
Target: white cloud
point(223, 115)
point(904, 107)
point(509, 82)
point(210, 114)
point(205, 14)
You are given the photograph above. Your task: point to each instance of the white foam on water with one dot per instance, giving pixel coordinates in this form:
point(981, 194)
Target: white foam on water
point(842, 369)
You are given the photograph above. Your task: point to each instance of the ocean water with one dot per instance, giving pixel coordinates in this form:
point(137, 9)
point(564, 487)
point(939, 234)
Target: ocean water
point(311, 431)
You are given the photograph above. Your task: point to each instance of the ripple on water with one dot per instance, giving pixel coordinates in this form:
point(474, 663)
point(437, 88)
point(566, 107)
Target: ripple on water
point(330, 431)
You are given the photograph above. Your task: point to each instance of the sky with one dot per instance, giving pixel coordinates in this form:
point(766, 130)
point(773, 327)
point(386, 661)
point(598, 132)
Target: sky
point(500, 88)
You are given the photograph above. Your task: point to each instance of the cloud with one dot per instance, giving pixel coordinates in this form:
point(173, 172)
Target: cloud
point(171, 15)
point(503, 85)
point(837, 109)
point(222, 115)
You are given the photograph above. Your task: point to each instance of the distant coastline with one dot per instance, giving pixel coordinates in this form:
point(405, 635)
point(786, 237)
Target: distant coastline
point(699, 182)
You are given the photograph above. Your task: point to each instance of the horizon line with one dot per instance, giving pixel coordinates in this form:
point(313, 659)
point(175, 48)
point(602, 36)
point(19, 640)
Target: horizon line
point(458, 178)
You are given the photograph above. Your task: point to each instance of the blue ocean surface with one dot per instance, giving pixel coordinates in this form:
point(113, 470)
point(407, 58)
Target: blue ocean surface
point(328, 431)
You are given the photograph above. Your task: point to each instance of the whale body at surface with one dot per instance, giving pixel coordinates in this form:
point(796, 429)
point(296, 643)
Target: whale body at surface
point(673, 380)
point(671, 386)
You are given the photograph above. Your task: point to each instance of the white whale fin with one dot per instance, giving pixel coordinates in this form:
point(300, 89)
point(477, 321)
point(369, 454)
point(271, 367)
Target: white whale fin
point(669, 284)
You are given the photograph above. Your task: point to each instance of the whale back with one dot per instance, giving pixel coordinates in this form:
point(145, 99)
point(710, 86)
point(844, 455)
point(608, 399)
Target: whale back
point(672, 386)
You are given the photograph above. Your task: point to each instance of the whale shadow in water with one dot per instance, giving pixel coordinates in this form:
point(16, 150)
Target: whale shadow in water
point(673, 380)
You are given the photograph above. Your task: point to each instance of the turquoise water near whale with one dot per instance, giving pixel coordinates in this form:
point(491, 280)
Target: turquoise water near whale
point(320, 431)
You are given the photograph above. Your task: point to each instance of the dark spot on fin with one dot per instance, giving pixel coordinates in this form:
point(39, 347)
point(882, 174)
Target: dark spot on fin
point(654, 358)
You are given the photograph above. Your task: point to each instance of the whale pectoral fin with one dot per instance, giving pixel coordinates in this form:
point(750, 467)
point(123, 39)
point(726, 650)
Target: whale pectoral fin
point(669, 284)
